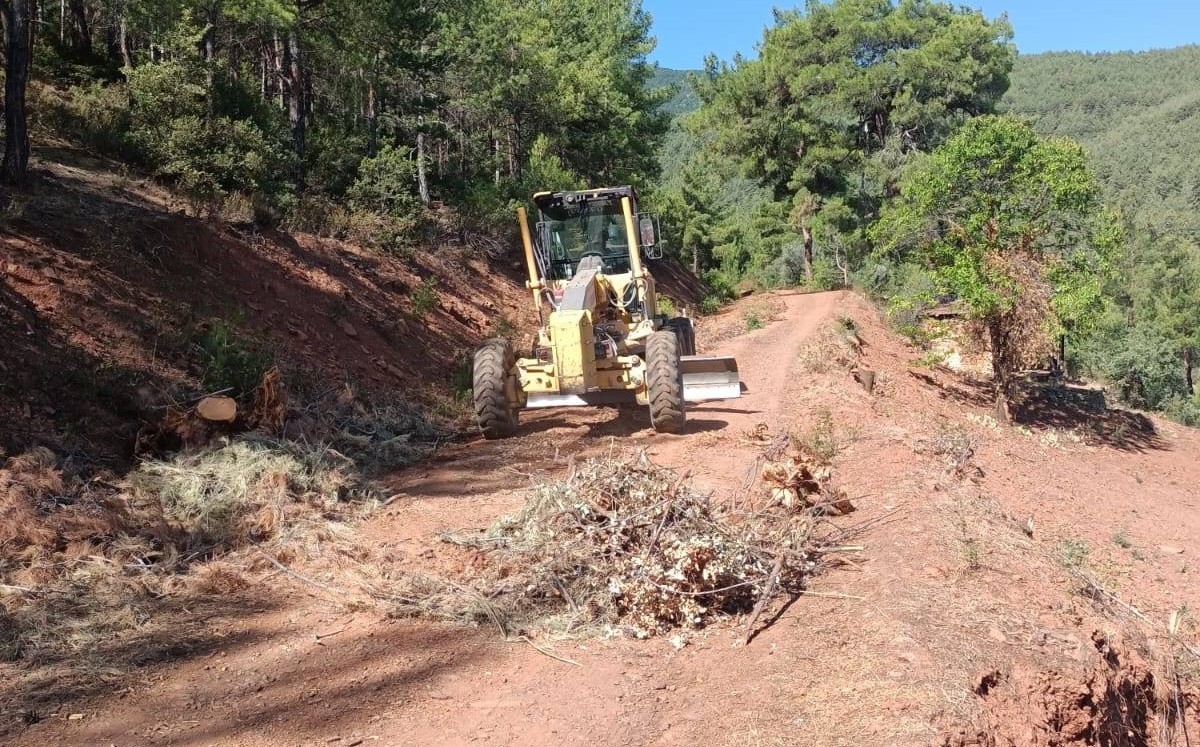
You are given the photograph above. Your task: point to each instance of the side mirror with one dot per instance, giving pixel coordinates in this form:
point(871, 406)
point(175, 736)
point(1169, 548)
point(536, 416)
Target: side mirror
point(646, 228)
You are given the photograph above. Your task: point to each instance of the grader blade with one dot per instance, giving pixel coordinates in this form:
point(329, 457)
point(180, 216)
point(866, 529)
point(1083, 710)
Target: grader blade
point(710, 377)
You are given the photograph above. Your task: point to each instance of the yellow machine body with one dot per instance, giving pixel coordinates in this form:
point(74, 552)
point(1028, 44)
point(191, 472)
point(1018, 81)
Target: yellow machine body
point(598, 306)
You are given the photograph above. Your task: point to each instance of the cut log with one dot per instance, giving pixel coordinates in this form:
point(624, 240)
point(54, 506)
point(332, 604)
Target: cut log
point(217, 409)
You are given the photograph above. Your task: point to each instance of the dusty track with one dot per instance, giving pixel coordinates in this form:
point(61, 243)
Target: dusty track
point(952, 588)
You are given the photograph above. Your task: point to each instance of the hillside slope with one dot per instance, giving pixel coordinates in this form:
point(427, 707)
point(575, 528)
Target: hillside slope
point(1138, 114)
point(112, 298)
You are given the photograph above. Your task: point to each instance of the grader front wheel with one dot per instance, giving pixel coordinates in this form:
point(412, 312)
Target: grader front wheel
point(493, 380)
point(664, 380)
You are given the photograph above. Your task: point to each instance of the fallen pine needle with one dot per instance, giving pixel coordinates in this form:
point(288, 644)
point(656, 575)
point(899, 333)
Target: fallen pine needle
point(831, 595)
point(551, 654)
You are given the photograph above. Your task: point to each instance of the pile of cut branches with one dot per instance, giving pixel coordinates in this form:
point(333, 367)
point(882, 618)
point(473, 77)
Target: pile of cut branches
point(622, 545)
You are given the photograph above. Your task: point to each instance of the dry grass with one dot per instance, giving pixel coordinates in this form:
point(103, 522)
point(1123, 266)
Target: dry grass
point(953, 445)
point(622, 545)
point(94, 568)
point(837, 347)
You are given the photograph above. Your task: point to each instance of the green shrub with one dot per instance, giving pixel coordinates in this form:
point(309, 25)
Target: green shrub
point(95, 116)
point(710, 305)
point(1073, 553)
point(231, 362)
point(238, 146)
point(1184, 410)
point(386, 184)
point(1144, 367)
point(722, 286)
point(826, 275)
point(319, 215)
point(425, 297)
point(333, 155)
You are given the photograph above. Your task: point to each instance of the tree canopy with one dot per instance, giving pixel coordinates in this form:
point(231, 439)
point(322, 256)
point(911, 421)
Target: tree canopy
point(1012, 224)
point(841, 97)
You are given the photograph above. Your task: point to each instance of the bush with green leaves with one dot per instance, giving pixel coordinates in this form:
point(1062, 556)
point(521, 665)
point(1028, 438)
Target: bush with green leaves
point(1143, 367)
point(333, 155)
point(386, 184)
point(425, 298)
point(1011, 224)
point(95, 116)
point(207, 148)
point(233, 362)
point(1183, 409)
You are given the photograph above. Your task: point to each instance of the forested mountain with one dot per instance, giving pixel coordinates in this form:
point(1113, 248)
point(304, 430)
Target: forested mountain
point(1138, 115)
point(683, 97)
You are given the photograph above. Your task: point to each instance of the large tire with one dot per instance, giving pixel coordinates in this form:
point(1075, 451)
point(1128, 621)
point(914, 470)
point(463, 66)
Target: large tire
point(664, 382)
point(685, 330)
point(493, 372)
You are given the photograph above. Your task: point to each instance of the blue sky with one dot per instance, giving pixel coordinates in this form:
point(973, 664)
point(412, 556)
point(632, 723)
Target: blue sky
point(688, 29)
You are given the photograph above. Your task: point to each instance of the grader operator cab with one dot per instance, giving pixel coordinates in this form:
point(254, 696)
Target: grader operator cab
point(602, 340)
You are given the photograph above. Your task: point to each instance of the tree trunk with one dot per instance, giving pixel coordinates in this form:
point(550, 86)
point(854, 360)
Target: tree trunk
point(296, 105)
point(1000, 370)
point(123, 41)
point(373, 122)
point(81, 32)
point(278, 58)
point(496, 158)
point(422, 182)
point(1187, 371)
point(209, 42)
point(18, 33)
point(264, 62)
point(512, 154)
point(808, 254)
point(696, 260)
point(841, 265)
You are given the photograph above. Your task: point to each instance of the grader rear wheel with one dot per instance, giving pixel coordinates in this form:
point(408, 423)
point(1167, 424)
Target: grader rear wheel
point(493, 380)
point(664, 380)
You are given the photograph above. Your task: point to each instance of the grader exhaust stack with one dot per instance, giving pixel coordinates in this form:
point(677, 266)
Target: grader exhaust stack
point(602, 339)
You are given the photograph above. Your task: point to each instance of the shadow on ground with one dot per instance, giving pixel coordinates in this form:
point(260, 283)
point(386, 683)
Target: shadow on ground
point(1059, 406)
point(181, 628)
point(1077, 408)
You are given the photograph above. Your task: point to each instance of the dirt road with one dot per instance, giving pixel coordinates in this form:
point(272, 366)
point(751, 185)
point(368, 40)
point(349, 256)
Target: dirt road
point(886, 653)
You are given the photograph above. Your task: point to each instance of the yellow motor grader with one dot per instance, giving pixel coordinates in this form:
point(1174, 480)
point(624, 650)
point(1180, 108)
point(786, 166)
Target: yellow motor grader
point(602, 340)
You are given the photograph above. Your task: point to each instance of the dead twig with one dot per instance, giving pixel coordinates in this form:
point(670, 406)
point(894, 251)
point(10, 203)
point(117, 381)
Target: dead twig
point(552, 655)
point(334, 593)
point(772, 582)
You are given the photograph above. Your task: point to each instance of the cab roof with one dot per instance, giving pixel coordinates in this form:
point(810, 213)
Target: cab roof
point(549, 200)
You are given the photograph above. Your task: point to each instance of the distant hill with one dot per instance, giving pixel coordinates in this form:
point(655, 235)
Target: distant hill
point(1138, 114)
point(685, 100)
